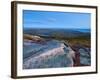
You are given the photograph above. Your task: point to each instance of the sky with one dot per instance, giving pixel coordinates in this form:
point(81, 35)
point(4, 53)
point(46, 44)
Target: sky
point(49, 19)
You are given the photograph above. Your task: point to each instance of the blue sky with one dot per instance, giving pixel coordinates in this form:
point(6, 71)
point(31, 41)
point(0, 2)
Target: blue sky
point(48, 19)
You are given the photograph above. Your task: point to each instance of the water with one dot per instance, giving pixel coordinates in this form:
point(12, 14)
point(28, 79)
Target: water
point(84, 30)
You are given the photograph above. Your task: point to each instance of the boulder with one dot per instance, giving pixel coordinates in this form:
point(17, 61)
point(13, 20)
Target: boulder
point(85, 58)
point(53, 54)
point(32, 38)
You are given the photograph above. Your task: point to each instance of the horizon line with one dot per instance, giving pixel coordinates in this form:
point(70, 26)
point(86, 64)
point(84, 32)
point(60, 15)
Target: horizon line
point(56, 28)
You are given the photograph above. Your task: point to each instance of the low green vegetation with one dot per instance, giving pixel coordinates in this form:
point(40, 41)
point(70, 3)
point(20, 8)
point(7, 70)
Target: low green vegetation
point(78, 41)
point(81, 40)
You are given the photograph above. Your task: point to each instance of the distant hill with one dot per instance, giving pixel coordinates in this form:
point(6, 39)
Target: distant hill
point(63, 33)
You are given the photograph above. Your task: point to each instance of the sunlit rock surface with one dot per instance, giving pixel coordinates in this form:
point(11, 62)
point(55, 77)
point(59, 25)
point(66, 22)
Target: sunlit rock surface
point(85, 57)
point(47, 54)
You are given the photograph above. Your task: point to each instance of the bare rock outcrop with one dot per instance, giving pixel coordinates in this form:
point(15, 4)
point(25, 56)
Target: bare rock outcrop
point(53, 54)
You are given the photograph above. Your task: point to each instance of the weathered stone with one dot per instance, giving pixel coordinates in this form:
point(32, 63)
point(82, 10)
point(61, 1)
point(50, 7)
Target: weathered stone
point(85, 57)
point(50, 55)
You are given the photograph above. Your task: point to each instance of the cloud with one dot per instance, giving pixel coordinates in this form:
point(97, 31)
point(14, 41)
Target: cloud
point(34, 22)
point(51, 20)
